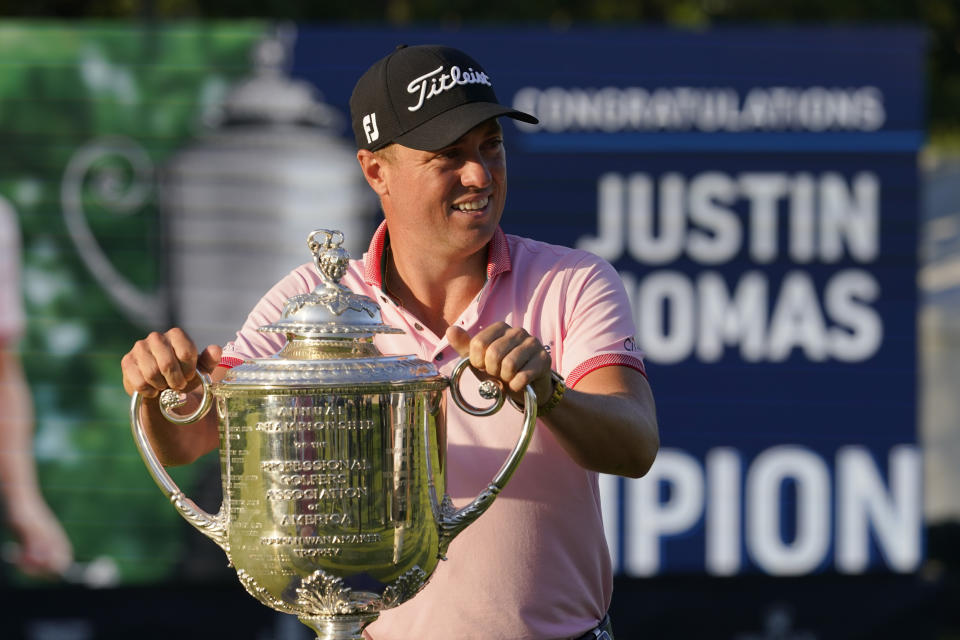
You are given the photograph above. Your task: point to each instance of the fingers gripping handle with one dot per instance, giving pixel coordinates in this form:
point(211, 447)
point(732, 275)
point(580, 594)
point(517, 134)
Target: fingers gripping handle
point(452, 521)
point(172, 399)
point(208, 524)
point(488, 390)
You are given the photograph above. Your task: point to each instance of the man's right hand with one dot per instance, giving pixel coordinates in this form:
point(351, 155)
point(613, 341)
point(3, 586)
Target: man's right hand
point(166, 361)
point(170, 361)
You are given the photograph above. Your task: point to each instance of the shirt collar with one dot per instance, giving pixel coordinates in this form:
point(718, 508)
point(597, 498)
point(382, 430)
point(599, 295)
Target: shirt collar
point(498, 256)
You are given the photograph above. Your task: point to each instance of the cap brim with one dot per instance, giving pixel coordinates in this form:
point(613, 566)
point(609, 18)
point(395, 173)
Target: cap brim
point(446, 128)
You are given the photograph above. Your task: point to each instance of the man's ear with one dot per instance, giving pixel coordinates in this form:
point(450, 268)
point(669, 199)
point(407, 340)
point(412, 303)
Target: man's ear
point(374, 170)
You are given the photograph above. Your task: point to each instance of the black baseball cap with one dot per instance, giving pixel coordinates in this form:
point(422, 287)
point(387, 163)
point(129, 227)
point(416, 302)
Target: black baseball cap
point(423, 97)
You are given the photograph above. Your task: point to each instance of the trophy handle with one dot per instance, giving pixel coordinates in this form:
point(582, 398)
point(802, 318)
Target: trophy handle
point(451, 520)
point(208, 524)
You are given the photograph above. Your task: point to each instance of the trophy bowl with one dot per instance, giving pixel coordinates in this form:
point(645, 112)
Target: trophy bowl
point(332, 460)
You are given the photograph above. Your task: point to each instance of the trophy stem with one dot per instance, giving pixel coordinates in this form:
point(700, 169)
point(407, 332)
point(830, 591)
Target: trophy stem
point(339, 627)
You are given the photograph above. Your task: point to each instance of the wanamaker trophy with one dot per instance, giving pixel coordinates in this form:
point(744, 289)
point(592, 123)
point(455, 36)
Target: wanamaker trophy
point(332, 458)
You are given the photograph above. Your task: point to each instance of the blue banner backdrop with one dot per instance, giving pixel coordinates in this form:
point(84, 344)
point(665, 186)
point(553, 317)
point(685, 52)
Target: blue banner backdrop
point(758, 191)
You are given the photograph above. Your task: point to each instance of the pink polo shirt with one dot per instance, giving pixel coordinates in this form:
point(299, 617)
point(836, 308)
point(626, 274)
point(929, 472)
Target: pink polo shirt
point(536, 564)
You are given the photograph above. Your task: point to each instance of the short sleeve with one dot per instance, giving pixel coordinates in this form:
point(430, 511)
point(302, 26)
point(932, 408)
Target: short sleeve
point(598, 327)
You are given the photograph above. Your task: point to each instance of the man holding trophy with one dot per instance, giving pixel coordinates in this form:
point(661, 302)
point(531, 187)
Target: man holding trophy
point(526, 313)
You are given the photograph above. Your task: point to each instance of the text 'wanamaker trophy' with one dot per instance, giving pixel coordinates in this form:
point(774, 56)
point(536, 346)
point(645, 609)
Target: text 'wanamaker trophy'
point(332, 458)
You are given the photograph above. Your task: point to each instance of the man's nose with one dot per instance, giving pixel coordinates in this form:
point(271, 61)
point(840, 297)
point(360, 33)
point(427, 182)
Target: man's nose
point(475, 172)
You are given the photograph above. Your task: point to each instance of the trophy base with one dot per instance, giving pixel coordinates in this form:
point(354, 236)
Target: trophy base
point(339, 627)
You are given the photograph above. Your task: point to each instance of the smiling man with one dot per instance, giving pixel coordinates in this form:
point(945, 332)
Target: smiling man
point(536, 564)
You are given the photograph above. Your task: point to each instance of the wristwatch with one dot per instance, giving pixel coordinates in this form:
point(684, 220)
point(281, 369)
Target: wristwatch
point(559, 388)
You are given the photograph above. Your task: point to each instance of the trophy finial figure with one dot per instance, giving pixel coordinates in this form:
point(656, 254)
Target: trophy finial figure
point(328, 254)
point(330, 299)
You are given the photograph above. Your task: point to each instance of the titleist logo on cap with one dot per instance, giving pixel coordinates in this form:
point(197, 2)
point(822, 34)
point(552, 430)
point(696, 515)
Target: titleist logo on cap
point(436, 82)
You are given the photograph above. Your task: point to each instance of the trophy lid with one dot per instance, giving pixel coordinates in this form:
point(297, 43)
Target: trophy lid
point(330, 338)
point(330, 311)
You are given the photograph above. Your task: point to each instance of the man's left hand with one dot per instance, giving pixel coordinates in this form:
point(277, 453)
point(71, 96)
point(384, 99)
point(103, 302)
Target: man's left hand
point(508, 354)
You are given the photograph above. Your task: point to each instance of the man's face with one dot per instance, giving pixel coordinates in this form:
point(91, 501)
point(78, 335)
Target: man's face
point(453, 196)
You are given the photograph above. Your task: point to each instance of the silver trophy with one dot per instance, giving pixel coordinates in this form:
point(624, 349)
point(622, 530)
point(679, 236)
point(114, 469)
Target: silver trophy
point(332, 458)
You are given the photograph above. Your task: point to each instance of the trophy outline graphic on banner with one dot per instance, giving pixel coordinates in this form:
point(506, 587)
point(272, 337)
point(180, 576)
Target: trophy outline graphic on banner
point(264, 161)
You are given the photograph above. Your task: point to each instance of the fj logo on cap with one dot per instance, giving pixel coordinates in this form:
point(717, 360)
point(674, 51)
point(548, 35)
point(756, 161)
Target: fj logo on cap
point(370, 127)
point(439, 82)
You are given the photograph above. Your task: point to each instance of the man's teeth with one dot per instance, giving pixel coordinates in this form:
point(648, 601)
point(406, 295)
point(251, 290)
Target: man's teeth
point(472, 206)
